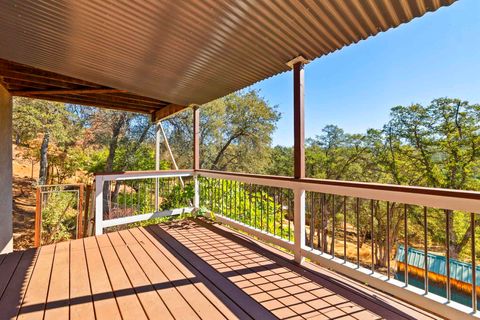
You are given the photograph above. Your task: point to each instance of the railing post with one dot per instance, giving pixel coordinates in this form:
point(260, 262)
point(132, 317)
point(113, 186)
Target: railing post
point(98, 205)
point(196, 188)
point(299, 224)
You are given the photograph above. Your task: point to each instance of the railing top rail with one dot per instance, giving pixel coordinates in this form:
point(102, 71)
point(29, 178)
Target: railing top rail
point(130, 175)
point(190, 171)
point(353, 184)
point(431, 197)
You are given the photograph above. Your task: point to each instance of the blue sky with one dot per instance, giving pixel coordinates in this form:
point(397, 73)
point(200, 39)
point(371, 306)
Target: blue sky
point(435, 56)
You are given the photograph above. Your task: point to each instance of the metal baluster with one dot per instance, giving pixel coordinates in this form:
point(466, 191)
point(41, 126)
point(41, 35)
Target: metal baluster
point(345, 228)
point(312, 225)
point(372, 233)
point(261, 209)
point(448, 256)
point(357, 218)
point(289, 215)
point(474, 270)
point(405, 223)
point(281, 212)
point(274, 211)
point(425, 241)
point(322, 223)
point(388, 240)
point(319, 222)
point(255, 206)
point(267, 213)
point(333, 225)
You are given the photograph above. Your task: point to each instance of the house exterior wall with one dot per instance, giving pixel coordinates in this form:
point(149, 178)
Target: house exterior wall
point(6, 232)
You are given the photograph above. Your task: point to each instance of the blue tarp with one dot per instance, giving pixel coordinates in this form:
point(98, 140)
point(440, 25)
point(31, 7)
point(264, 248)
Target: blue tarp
point(459, 270)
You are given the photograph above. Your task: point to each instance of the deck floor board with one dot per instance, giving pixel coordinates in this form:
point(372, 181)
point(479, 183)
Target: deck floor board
point(186, 269)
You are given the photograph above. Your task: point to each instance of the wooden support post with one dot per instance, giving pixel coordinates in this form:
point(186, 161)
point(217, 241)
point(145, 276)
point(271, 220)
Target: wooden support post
point(6, 172)
point(196, 154)
point(98, 206)
point(38, 218)
point(299, 224)
point(157, 145)
point(196, 138)
point(298, 121)
point(298, 155)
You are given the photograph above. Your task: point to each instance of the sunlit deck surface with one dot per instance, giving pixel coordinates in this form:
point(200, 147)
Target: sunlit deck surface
point(189, 269)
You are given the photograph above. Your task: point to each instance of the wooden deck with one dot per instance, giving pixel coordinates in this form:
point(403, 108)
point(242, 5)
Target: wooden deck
point(181, 270)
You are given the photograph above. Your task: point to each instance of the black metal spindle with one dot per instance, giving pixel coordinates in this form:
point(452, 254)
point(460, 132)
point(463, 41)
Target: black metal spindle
point(372, 233)
point(448, 255)
point(290, 203)
point(388, 240)
point(474, 267)
point(274, 194)
point(280, 199)
point(405, 223)
point(255, 206)
point(322, 222)
point(357, 219)
point(333, 225)
point(312, 226)
point(345, 228)
point(425, 241)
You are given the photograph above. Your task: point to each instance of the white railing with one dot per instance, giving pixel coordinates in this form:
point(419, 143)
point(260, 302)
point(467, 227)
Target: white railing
point(148, 201)
point(240, 200)
point(423, 199)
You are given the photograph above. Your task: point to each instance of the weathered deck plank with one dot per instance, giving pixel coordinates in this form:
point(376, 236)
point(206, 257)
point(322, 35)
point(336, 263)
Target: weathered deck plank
point(81, 306)
point(57, 306)
point(191, 269)
point(103, 298)
point(151, 301)
point(147, 257)
point(14, 293)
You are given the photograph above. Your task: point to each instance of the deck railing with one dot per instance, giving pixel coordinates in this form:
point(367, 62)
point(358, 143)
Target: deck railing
point(129, 197)
point(353, 228)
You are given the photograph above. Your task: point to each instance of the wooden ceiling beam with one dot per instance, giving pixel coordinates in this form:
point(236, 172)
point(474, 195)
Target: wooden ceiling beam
point(66, 91)
point(167, 111)
point(100, 104)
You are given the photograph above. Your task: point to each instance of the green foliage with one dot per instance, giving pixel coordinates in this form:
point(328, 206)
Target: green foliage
point(59, 217)
point(235, 133)
point(179, 197)
point(251, 205)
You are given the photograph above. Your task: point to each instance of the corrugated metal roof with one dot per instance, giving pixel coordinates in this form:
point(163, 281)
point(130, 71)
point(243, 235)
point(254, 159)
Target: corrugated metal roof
point(188, 52)
point(459, 270)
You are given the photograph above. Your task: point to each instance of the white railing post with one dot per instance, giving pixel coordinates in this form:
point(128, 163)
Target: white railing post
point(298, 224)
point(196, 187)
point(98, 205)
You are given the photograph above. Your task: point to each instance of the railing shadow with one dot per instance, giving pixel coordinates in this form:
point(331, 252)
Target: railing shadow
point(364, 300)
point(15, 271)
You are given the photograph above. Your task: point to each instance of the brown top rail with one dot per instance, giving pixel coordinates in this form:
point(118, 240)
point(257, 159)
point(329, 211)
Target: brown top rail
point(432, 197)
point(143, 172)
point(353, 184)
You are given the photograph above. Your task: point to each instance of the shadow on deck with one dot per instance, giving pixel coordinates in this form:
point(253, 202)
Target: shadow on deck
point(187, 269)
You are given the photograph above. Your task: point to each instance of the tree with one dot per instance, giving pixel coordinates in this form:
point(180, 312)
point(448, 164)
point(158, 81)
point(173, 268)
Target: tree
point(235, 133)
point(45, 119)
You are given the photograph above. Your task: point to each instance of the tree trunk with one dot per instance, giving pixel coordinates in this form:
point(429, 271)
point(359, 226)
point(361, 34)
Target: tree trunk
point(112, 148)
point(42, 177)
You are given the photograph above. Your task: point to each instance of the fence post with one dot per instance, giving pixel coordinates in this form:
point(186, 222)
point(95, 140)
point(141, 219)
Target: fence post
point(98, 205)
point(38, 218)
point(196, 186)
point(299, 224)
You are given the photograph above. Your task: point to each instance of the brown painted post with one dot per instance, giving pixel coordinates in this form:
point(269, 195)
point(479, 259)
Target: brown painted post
point(196, 154)
point(38, 218)
point(80, 211)
point(86, 219)
point(298, 121)
point(196, 138)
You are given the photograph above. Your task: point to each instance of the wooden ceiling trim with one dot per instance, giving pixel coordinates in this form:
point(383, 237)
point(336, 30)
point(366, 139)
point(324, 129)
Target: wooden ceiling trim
point(167, 111)
point(67, 91)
